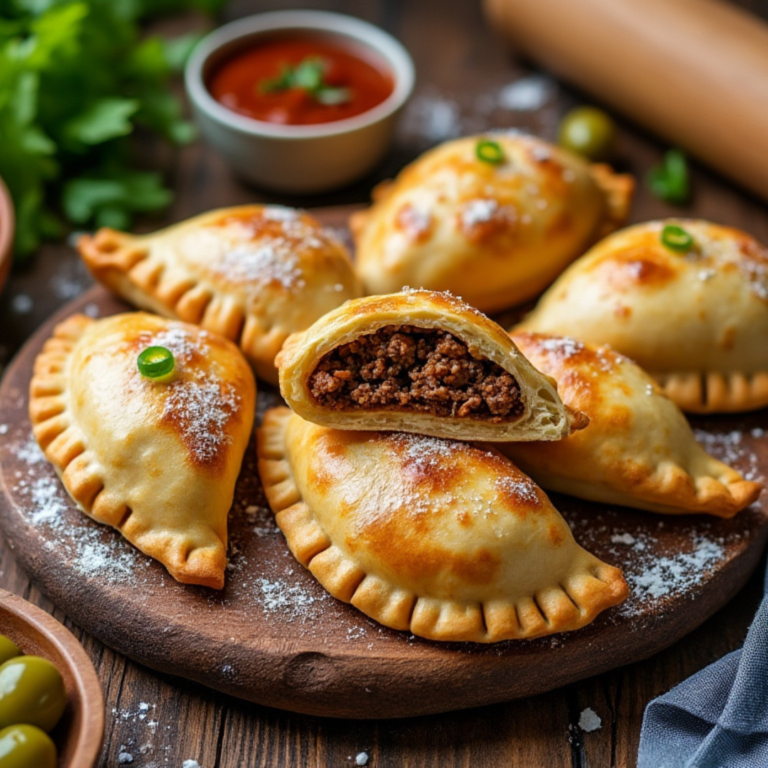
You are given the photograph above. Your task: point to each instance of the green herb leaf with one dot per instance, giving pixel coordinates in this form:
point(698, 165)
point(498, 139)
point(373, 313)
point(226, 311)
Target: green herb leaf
point(103, 120)
point(76, 79)
point(669, 181)
point(333, 96)
point(179, 49)
point(307, 76)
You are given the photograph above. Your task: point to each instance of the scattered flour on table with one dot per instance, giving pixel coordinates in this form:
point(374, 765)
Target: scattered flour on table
point(729, 447)
point(527, 93)
point(294, 602)
point(143, 734)
point(589, 720)
point(21, 303)
point(433, 117)
point(93, 550)
point(651, 577)
point(361, 758)
point(190, 764)
point(671, 574)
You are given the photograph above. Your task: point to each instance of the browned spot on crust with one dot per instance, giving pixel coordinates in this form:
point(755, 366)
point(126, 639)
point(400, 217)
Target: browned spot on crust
point(416, 225)
point(562, 225)
point(728, 337)
point(638, 271)
point(401, 545)
point(555, 534)
point(258, 224)
point(500, 222)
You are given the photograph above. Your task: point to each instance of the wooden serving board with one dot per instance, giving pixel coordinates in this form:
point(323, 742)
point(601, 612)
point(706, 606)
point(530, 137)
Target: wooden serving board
point(275, 637)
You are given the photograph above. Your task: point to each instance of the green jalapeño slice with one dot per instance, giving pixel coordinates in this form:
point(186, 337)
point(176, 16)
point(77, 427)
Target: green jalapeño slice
point(676, 238)
point(489, 152)
point(156, 362)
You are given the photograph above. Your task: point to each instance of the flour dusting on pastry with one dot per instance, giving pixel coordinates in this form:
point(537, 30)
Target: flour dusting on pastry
point(157, 459)
point(254, 274)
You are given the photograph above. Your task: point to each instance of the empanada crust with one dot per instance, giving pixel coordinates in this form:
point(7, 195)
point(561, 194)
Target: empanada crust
point(697, 321)
point(544, 416)
point(156, 460)
point(638, 449)
point(254, 274)
point(496, 235)
point(444, 539)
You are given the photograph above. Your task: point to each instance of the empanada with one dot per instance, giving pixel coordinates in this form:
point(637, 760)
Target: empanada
point(638, 449)
point(696, 319)
point(448, 540)
point(155, 458)
point(494, 233)
point(419, 361)
point(254, 274)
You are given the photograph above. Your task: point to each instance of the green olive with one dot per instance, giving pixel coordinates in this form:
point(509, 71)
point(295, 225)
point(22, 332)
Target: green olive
point(8, 649)
point(26, 746)
point(31, 691)
point(589, 132)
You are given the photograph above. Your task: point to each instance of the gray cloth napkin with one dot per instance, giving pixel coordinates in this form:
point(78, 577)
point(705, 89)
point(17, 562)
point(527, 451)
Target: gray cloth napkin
point(718, 718)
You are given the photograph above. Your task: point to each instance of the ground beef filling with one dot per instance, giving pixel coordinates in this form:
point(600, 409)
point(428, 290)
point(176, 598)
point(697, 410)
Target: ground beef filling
point(401, 367)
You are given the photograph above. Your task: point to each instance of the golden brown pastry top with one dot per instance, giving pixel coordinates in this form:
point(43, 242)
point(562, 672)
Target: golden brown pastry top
point(638, 449)
point(705, 309)
point(443, 538)
point(495, 234)
point(157, 459)
point(254, 274)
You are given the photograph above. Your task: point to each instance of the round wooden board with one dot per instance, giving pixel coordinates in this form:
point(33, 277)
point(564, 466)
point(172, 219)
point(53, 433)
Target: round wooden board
point(275, 637)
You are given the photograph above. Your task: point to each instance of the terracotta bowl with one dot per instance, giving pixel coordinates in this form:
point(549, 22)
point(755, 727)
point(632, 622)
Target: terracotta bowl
point(6, 233)
point(79, 733)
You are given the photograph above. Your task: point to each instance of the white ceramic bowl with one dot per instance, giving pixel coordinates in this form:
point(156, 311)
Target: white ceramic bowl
point(298, 158)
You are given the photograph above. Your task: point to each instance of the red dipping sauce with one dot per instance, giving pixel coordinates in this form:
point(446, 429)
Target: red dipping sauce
point(238, 83)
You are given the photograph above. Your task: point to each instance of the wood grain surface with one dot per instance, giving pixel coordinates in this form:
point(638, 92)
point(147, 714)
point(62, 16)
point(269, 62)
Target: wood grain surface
point(462, 68)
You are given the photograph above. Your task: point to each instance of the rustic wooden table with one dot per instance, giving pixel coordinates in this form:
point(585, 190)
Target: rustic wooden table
point(463, 70)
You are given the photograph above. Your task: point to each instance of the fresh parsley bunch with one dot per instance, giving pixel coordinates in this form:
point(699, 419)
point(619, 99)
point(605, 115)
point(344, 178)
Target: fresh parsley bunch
point(76, 80)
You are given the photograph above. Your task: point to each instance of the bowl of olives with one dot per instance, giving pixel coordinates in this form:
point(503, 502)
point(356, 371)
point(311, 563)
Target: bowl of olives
point(51, 703)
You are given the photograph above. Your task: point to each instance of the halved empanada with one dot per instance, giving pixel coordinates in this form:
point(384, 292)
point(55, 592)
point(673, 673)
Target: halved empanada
point(638, 450)
point(254, 274)
point(156, 459)
point(494, 233)
point(419, 361)
point(440, 537)
point(696, 320)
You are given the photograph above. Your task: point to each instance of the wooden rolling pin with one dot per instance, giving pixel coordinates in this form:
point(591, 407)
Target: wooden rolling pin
point(693, 71)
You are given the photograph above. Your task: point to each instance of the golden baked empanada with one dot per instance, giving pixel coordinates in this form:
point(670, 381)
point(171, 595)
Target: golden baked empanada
point(448, 540)
point(495, 233)
point(693, 313)
point(419, 361)
point(155, 458)
point(638, 450)
point(254, 274)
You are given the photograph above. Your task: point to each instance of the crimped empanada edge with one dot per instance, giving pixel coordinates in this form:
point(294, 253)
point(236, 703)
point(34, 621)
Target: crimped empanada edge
point(590, 588)
point(64, 445)
point(126, 267)
point(715, 391)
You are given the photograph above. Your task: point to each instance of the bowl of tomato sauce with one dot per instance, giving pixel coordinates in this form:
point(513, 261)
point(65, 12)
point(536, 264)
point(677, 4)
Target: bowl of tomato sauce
point(299, 101)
